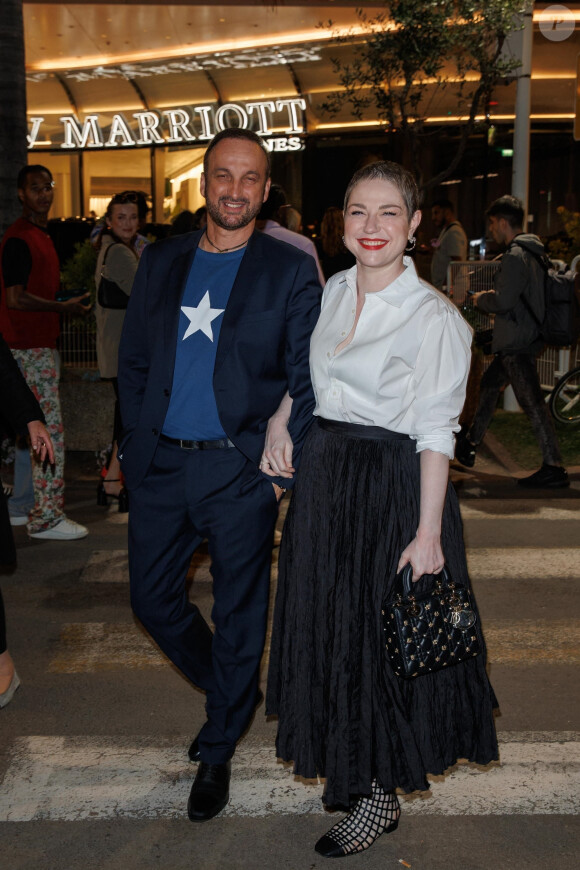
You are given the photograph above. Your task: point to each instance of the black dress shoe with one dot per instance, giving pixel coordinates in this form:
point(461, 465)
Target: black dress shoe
point(210, 791)
point(194, 752)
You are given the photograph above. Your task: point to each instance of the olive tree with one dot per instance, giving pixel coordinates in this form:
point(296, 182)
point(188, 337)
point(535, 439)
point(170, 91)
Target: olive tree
point(415, 48)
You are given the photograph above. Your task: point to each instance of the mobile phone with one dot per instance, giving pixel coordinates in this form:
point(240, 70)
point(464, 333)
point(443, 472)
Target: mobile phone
point(65, 295)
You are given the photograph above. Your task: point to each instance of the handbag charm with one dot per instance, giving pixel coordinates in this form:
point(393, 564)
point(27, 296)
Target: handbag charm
point(431, 631)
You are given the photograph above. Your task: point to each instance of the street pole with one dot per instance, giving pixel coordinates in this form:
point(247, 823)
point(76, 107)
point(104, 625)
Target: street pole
point(521, 158)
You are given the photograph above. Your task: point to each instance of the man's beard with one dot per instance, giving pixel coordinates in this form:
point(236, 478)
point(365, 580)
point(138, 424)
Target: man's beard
point(234, 221)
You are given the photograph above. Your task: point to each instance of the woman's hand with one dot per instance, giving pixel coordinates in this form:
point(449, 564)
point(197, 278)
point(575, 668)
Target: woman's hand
point(425, 555)
point(424, 552)
point(41, 441)
point(278, 447)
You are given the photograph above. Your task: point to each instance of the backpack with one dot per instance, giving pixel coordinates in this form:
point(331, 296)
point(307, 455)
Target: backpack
point(561, 324)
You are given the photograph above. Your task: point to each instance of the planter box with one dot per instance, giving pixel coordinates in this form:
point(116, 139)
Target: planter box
point(87, 409)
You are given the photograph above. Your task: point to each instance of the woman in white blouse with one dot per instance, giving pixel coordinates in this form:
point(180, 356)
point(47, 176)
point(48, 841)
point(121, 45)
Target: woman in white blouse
point(389, 361)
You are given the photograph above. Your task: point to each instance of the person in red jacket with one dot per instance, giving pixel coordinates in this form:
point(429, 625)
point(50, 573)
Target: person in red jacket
point(29, 320)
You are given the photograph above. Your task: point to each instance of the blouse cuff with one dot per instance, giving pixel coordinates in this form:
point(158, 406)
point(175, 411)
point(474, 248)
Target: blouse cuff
point(444, 443)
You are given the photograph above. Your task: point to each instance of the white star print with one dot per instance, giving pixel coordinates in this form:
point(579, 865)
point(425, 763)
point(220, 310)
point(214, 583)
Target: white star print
point(201, 317)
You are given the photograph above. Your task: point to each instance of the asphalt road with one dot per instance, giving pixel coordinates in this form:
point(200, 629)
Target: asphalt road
point(93, 765)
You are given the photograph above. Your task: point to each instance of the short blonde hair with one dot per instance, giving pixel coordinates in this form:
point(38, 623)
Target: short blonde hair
point(386, 170)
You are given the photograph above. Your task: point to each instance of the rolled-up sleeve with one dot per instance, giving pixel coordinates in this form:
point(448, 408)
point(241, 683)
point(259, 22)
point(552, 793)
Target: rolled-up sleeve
point(439, 382)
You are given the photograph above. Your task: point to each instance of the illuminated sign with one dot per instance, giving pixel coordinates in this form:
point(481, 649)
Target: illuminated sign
point(181, 125)
point(248, 58)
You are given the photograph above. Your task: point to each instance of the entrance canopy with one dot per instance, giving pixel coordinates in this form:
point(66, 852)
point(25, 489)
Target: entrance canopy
point(104, 60)
point(126, 95)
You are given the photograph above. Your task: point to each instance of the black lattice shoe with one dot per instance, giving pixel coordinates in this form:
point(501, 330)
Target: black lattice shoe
point(370, 817)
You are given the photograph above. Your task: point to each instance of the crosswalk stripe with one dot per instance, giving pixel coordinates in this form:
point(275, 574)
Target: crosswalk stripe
point(485, 563)
point(90, 778)
point(530, 642)
point(89, 647)
point(511, 563)
point(112, 566)
point(477, 511)
point(106, 566)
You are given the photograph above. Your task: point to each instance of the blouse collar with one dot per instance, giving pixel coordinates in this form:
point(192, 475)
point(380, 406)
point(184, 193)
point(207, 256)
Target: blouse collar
point(397, 292)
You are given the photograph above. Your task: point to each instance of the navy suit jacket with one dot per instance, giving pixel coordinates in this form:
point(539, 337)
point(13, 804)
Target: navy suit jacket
point(263, 348)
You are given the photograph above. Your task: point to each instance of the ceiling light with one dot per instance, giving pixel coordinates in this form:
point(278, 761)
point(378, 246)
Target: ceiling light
point(288, 39)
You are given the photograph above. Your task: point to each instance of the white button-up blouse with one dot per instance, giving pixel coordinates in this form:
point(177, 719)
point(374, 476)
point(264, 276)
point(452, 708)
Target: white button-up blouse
point(407, 364)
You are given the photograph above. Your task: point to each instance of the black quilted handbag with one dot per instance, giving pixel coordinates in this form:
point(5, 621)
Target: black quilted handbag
point(427, 632)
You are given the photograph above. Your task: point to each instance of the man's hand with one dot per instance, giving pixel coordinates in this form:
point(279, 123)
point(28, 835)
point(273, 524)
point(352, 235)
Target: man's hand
point(279, 491)
point(18, 298)
point(77, 306)
point(475, 296)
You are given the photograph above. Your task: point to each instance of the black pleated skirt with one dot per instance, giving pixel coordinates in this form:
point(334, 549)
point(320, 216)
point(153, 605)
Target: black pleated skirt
point(343, 713)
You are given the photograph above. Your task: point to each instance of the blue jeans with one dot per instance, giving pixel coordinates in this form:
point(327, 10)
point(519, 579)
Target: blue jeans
point(21, 501)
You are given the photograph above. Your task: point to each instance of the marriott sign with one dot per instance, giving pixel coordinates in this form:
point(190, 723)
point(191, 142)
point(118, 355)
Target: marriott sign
point(175, 126)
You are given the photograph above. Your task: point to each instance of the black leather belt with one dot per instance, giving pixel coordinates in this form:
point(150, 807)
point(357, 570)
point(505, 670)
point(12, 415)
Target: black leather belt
point(197, 445)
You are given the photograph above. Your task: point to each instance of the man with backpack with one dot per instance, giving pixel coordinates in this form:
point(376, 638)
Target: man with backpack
point(518, 303)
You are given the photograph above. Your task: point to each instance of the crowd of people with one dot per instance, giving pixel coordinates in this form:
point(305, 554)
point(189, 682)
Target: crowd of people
point(248, 361)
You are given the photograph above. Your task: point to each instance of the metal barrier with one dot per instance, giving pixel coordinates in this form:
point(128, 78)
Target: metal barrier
point(78, 342)
point(476, 275)
point(471, 276)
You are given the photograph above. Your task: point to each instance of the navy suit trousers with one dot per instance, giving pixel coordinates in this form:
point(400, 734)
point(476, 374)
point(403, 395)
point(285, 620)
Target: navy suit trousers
point(186, 497)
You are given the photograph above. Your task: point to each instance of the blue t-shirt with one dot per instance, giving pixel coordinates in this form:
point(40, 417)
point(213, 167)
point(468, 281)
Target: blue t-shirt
point(192, 412)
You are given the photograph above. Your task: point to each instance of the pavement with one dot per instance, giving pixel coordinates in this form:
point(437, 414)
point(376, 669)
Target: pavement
point(93, 764)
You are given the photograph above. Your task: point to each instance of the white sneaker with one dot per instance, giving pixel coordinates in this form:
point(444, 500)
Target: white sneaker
point(7, 696)
point(18, 521)
point(65, 530)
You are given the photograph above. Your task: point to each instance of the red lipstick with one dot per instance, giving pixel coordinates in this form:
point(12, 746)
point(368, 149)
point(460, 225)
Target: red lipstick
point(372, 244)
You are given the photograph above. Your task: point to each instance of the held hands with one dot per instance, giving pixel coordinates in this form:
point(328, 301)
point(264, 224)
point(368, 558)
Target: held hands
point(77, 306)
point(425, 555)
point(41, 441)
point(277, 456)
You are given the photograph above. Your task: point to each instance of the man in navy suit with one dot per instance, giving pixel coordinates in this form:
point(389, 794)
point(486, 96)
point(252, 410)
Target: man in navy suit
point(217, 333)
